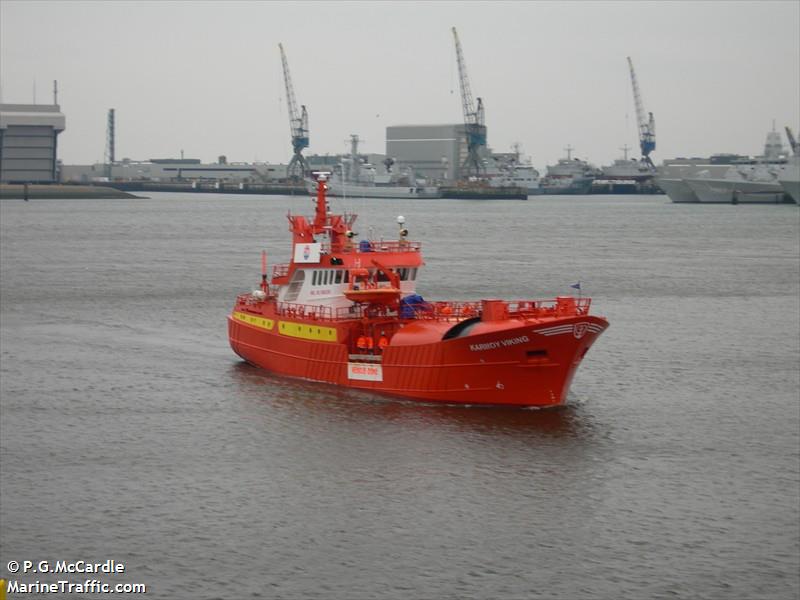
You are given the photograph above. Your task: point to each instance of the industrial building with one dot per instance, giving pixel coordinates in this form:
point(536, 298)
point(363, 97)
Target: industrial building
point(437, 152)
point(28, 142)
point(173, 169)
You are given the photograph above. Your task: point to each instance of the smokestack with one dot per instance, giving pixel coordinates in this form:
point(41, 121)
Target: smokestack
point(110, 159)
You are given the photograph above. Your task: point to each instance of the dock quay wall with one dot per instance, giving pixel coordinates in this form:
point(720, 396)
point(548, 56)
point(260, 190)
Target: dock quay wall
point(21, 191)
point(209, 187)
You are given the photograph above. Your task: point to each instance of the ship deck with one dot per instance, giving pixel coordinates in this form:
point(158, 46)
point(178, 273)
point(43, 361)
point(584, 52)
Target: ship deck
point(444, 311)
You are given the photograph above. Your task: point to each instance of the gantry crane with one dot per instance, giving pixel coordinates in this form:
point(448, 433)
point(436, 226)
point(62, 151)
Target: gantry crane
point(298, 123)
point(792, 142)
point(647, 126)
point(473, 119)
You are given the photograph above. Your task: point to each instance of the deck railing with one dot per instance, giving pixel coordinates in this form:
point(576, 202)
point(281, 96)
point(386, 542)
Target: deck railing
point(305, 311)
point(525, 309)
point(375, 246)
point(436, 311)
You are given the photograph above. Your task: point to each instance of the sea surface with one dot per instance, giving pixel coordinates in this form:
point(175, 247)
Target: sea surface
point(130, 431)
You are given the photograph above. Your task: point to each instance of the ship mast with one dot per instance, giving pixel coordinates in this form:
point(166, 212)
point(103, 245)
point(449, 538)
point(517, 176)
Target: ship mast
point(324, 223)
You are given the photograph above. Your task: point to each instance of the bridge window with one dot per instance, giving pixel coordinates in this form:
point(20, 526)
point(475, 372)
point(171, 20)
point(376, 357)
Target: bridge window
point(294, 287)
point(338, 277)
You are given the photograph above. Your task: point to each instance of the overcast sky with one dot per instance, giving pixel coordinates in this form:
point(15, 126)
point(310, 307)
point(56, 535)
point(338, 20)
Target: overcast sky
point(206, 77)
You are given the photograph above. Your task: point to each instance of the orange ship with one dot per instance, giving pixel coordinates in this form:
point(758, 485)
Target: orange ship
point(347, 313)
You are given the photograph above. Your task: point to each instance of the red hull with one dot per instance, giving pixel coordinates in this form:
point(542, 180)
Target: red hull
point(515, 361)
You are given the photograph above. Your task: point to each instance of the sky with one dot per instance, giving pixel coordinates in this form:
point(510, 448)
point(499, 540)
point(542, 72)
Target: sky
point(205, 77)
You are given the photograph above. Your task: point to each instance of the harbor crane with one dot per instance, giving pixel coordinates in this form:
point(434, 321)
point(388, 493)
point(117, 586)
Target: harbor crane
point(792, 142)
point(298, 123)
point(473, 118)
point(647, 126)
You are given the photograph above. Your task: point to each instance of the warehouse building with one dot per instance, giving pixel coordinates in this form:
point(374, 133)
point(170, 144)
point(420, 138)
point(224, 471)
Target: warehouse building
point(436, 152)
point(28, 142)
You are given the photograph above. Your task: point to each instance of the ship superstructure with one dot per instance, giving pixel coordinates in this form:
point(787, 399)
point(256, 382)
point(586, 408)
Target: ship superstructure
point(354, 178)
point(625, 175)
point(569, 176)
point(627, 168)
point(729, 178)
point(790, 177)
point(512, 170)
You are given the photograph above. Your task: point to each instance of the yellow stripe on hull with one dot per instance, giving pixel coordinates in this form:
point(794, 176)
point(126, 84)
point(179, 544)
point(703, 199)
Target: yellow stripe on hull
point(259, 322)
point(307, 332)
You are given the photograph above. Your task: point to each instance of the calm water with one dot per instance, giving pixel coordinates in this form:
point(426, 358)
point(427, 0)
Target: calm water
point(129, 430)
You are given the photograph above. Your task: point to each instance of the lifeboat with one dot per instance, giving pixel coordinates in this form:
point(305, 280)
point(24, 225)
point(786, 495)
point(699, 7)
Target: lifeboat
point(364, 289)
point(374, 296)
point(347, 312)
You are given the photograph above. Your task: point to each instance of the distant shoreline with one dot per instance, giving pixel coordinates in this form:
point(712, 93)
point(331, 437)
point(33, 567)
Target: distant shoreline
point(59, 192)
